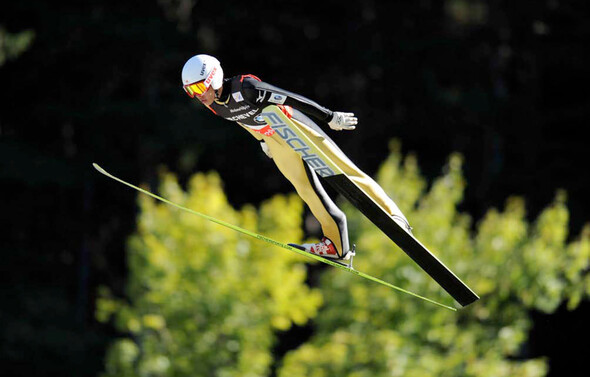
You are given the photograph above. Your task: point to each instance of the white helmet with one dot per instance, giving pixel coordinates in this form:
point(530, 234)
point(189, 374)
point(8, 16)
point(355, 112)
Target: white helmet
point(203, 68)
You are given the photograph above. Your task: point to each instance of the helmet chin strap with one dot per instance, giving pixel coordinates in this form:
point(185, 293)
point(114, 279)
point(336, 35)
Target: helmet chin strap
point(218, 92)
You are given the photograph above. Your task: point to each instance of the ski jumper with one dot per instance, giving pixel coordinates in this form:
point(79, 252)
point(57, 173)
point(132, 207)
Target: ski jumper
point(242, 100)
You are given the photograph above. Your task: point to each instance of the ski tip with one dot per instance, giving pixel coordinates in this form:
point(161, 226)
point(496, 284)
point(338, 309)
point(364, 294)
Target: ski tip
point(97, 167)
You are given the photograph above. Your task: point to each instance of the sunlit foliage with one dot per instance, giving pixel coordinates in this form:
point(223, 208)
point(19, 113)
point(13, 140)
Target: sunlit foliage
point(367, 330)
point(203, 299)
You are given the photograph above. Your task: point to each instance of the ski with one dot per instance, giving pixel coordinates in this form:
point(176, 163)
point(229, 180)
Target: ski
point(336, 264)
point(290, 130)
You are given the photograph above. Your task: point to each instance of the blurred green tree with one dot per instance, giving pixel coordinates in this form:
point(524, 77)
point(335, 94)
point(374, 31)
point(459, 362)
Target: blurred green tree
point(13, 45)
point(365, 330)
point(205, 301)
point(202, 299)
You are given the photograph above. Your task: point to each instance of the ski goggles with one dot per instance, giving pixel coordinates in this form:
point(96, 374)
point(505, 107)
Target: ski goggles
point(196, 88)
point(200, 87)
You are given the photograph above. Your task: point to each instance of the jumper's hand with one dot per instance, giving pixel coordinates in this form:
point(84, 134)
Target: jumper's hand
point(343, 121)
point(265, 149)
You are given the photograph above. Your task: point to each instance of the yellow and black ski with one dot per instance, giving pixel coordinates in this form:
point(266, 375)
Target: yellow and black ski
point(273, 242)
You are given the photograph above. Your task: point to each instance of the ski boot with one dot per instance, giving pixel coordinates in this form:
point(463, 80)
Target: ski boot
point(326, 249)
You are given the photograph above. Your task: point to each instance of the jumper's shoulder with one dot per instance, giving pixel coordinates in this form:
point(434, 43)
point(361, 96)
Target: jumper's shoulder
point(251, 88)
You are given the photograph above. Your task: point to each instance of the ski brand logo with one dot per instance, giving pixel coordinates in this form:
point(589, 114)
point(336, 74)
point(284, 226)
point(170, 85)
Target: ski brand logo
point(298, 145)
point(203, 68)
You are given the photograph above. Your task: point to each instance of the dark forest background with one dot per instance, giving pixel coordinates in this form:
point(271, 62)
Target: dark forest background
point(505, 83)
